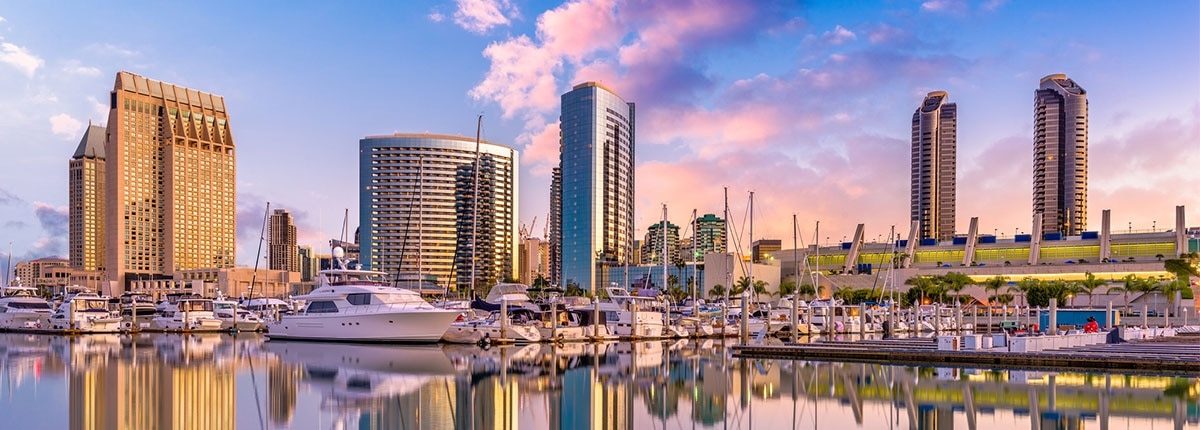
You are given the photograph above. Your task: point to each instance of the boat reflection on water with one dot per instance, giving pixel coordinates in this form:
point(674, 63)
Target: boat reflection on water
point(221, 381)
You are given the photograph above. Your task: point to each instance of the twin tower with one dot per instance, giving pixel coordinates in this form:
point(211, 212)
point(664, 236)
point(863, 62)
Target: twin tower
point(1060, 145)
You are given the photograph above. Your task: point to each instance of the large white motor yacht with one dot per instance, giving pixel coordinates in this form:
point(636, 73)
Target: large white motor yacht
point(360, 305)
point(21, 308)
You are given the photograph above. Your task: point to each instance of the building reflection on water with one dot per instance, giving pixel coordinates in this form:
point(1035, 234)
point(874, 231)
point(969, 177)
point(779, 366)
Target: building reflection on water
point(221, 381)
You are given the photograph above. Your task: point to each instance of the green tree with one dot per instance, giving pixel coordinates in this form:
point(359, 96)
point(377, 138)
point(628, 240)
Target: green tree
point(787, 288)
point(1024, 287)
point(1128, 285)
point(760, 288)
point(1089, 284)
point(717, 291)
point(955, 282)
point(922, 288)
point(807, 290)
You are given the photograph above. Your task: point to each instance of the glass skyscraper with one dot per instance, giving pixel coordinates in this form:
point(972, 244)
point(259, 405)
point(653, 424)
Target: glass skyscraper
point(594, 226)
point(417, 212)
point(934, 142)
point(1060, 155)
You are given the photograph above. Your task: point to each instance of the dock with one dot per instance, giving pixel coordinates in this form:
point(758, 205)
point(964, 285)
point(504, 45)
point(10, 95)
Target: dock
point(1176, 355)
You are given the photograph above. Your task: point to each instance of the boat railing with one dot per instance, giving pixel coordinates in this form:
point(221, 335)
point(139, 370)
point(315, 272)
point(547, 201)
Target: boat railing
point(380, 307)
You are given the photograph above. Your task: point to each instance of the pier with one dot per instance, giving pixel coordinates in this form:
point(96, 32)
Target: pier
point(1175, 354)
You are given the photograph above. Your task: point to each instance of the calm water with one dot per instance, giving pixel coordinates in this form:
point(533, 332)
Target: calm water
point(162, 381)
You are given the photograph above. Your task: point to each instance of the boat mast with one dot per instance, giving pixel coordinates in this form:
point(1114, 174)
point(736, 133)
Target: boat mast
point(695, 232)
point(664, 249)
point(750, 273)
point(729, 251)
point(8, 268)
point(262, 236)
point(475, 199)
point(421, 220)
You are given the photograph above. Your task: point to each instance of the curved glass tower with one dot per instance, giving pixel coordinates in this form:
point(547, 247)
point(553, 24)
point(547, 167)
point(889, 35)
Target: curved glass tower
point(934, 146)
point(594, 224)
point(1060, 150)
point(417, 210)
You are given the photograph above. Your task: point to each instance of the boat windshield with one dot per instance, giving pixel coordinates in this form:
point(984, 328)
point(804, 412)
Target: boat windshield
point(28, 305)
point(195, 305)
point(355, 278)
point(91, 305)
point(20, 292)
point(224, 305)
point(399, 297)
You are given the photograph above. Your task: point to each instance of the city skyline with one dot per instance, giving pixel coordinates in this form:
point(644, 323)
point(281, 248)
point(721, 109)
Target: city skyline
point(806, 106)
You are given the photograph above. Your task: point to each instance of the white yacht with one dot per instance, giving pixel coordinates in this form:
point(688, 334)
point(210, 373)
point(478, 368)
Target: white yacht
point(137, 311)
point(186, 313)
point(235, 317)
point(630, 316)
point(22, 309)
point(83, 311)
point(485, 322)
point(360, 305)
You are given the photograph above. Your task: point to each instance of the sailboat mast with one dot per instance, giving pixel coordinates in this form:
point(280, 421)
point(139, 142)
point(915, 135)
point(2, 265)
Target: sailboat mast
point(695, 232)
point(475, 199)
point(665, 253)
point(420, 219)
point(750, 273)
point(262, 236)
point(728, 250)
point(817, 263)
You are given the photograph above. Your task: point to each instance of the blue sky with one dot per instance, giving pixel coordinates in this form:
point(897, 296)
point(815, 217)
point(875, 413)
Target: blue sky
point(806, 104)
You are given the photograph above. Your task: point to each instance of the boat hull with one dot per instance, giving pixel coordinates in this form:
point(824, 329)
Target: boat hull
point(426, 325)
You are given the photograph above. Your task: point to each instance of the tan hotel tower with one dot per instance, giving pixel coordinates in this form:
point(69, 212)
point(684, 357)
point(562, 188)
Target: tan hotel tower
point(171, 199)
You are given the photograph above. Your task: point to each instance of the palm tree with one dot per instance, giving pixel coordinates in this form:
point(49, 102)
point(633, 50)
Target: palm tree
point(1125, 288)
point(807, 290)
point(760, 288)
point(717, 291)
point(787, 288)
point(1089, 284)
point(1169, 287)
point(1023, 287)
point(955, 281)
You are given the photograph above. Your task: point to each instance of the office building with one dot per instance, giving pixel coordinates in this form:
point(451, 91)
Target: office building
point(934, 143)
point(1060, 156)
point(282, 253)
point(86, 201)
point(169, 181)
point(535, 260)
point(419, 212)
point(596, 189)
point(761, 250)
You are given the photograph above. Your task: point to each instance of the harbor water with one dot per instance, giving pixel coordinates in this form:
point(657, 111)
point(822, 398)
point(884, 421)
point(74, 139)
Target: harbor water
point(224, 381)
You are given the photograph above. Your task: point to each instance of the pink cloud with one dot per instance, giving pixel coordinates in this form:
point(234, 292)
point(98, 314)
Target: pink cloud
point(521, 77)
point(479, 16)
point(541, 154)
point(944, 6)
point(838, 36)
point(576, 29)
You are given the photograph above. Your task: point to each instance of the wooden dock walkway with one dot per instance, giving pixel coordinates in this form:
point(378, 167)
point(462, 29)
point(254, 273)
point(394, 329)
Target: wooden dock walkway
point(1174, 355)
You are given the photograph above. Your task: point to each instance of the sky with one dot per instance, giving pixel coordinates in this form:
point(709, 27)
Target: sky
point(806, 105)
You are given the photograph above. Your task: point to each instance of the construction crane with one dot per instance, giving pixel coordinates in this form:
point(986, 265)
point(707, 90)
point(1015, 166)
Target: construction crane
point(526, 231)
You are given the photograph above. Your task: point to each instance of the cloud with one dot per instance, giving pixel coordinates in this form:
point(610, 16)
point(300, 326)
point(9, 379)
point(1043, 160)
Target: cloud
point(62, 125)
point(991, 5)
point(250, 212)
point(15, 224)
point(838, 36)
point(74, 67)
point(479, 16)
point(2, 19)
point(436, 16)
point(20, 58)
point(54, 221)
point(953, 7)
point(100, 109)
point(108, 49)
point(7, 197)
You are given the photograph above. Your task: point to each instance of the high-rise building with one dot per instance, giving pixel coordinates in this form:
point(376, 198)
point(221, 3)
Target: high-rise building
point(86, 195)
point(710, 235)
point(652, 246)
point(554, 227)
point(170, 181)
point(308, 263)
point(934, 143)
point(1060, 155)
point(282, 253)
point(418, 212)
point(595, 193)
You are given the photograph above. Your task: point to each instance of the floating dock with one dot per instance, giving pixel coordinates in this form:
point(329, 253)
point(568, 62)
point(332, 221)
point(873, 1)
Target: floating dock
point(1174, 354)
